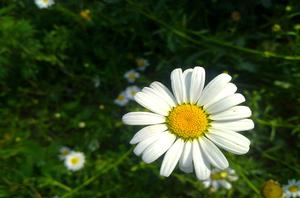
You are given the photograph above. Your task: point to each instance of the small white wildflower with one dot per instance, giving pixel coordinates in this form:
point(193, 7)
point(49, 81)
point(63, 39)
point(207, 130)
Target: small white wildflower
point(142, 63)
point(57, 115)
point(131, 75)
point(220, 178)
point(96, 81)
point(81, 124)
point(44, 3)
point(64, 151)
point(75, 161)
point(292, 189)
point(131, 91)
point(121, 100)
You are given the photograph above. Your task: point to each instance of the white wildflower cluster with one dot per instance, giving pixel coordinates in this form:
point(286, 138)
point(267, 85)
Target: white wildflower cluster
point(128, 94)
point(73, 160)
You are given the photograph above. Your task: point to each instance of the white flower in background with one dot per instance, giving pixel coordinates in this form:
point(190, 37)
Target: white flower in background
point(292, 189)
point(188, 125)
point(122, 99)
point(57, 115)
point(64, 151)
point(44, 3)
point(131, 75)
point(96, 81)
point(131, 91)
point(142, 63)
point(81, 125)
point(75, 161)
point(220, 178)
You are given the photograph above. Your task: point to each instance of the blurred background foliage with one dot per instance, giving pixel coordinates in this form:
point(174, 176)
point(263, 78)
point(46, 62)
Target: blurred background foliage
point(59, 68)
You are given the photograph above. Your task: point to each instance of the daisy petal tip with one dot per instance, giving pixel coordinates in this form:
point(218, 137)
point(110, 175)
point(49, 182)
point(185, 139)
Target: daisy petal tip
point(164, 173)
point(227, 76)
point(199, 68)
point(251, 125)
point(132, 141)
point(147, 160)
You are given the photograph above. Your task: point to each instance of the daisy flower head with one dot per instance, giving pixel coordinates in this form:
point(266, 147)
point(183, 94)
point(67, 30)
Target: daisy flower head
point(75, 161)
point(292, 189)
point(131, 91)
point(122, 99)
point(44, 3)
point(141, 63)
point(220, 178)
point(131, 75)
point(190, 125)
point(64, 151)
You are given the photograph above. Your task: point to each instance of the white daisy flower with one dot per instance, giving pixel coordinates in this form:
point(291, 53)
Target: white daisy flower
point(188, 125)
point(122, 99)
point(220, 178)
point(75, 161)
point(292, 189)
point(64, 151)
point(131, 75)
point(44, 3)
point(142, 63)
point(131, 91)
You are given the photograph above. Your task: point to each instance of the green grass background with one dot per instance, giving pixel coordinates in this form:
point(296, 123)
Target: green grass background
point(50, 58)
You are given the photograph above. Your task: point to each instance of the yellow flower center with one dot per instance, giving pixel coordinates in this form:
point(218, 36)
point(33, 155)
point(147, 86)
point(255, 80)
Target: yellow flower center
point(121, 97)
point(65, 152)
point(45, 1)
point(86, 14)
point(271, 189)
point(187, 121)
point(74, 160)
point(140, 62)
point(219, 175)
point(293, 188)
point(132, 76)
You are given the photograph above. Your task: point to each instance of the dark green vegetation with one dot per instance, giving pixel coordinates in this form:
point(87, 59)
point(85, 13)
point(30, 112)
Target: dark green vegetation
point(50, 58)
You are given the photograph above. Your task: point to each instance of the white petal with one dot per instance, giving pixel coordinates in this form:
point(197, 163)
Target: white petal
point(197, 84)
point(228, 90)
point(232, 177)
point(164, 92)
point(213, 154)
point(238, 125)
point(229, 140)
point(159, 147)
point(225, 184)
point(178, 86)
point(152, 103)
point(225, 103)
point(213, 88)
point(201, 166)
point(157, 96)
point(146, 143)
point(147, 132)
point(206, 183)
point(215, 184)
point(186, 159)
point(237, 112)
point(187, 76)
point(171, 158)
point(142, 118)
